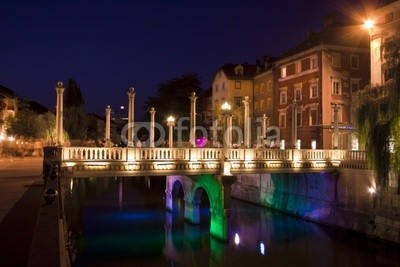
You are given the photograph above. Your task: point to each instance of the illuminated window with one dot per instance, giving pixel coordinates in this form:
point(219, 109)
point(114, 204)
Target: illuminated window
point(314, 62)
point(297, 94)
point(283, 72)
point(283, 97)
point(336, 87)
point(314, 90)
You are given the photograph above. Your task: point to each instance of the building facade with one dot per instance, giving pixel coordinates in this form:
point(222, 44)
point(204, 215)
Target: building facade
point(384, 28)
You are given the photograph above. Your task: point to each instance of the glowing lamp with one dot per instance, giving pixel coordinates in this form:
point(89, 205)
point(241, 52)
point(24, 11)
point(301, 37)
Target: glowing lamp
point(369, 24)
point(372, 190)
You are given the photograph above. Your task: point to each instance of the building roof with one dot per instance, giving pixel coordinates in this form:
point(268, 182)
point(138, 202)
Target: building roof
point(336, 33)
point(6, 92)
point(249, 70)
point(39, 108)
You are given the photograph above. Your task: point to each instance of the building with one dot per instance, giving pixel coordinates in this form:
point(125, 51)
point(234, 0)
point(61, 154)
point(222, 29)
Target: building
point(314, 84)
point(232, 82)
point(8, 107)
point(384, 26)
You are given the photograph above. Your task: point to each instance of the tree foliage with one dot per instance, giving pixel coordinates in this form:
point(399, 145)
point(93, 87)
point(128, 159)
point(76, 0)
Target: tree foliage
point(75, 121)
point(377, 111)
point(29, 124)
point(173, 97)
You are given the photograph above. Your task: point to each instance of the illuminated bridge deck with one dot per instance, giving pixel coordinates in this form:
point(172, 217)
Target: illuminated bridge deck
point(116, 161)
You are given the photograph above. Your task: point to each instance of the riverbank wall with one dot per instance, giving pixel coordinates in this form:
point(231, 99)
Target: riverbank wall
point(343, 199)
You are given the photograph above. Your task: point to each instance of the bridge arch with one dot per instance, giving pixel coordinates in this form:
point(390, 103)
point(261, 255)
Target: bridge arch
point(218, 191)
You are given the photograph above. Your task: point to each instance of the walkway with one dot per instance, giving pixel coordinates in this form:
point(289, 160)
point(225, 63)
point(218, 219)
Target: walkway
point(20, 206)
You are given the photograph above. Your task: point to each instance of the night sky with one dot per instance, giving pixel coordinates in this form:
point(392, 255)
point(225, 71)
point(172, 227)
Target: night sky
point(108, 46)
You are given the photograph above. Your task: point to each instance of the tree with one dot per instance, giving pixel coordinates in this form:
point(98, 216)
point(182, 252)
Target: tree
point(377, 111)
point(75, 121)
point(173, 99)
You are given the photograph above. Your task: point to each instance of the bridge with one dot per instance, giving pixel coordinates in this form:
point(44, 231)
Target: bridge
point(126, 161)
point(198, 170)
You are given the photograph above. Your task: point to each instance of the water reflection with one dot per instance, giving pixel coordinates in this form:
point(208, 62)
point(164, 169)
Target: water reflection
point(122, 221)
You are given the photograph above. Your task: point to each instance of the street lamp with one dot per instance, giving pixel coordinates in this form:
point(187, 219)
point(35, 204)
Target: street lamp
point(226, 111)
point(170, 124)
point(369, 24)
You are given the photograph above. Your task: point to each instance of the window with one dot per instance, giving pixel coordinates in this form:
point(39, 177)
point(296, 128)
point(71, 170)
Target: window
point(313, 116)
point(262, 104)
point(216, 103)
point(256, 105)
point(354, 85)
point(257, 90)
point(282, 120)
point(223, 86)
point(297, 94)
point(283, 72)
point(238, 101)
point(269, 86)
point(297, 67)
point(339, 113)
point(354, 62)
point(336, 60)
point(314, 63)
point(262, 88)
point(336, 87)
point(314, 90)
point(269, 102)
point(298, 118)
point(238, 84)
point(283, 97)
point(216, 88)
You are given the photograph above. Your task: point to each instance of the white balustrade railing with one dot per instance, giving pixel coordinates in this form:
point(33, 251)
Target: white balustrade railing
point(356, 155)
point(205, 154)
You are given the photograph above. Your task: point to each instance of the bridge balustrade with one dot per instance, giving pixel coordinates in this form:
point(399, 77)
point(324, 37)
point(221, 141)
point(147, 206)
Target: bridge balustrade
point(356, 155)
point(92, 154)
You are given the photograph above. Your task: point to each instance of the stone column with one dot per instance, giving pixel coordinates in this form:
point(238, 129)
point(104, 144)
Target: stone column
point(131, 116)
point(152, 119)
point(192, 129)
point(59, 113)
point(264, 129)
point(108, 126)
point(335, 126)
point(246, 102)
point(229, 131)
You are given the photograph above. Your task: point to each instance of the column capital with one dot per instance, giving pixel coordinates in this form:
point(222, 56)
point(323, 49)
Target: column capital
point(131, 92)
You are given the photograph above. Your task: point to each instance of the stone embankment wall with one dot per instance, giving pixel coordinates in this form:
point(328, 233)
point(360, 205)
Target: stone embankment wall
point(341, 199)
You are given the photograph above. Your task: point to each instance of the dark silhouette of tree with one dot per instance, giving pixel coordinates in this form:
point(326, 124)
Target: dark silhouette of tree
point(75, 121)
point(172, 99)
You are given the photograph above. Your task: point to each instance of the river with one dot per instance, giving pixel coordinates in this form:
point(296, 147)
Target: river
point(123, 222)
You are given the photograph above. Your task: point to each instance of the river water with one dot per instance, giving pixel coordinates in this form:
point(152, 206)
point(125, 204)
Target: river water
point(123, 222)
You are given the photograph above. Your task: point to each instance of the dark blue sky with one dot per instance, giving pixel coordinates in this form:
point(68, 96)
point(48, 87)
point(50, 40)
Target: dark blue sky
point(108, 46)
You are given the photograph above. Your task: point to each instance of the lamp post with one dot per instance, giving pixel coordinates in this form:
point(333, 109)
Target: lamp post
point(152, 116)
point(59, 113)
point(170, 124)
point(131, 116)
point(226, 111)
point(192, 129)
point(335, 126)
point(108, 126)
